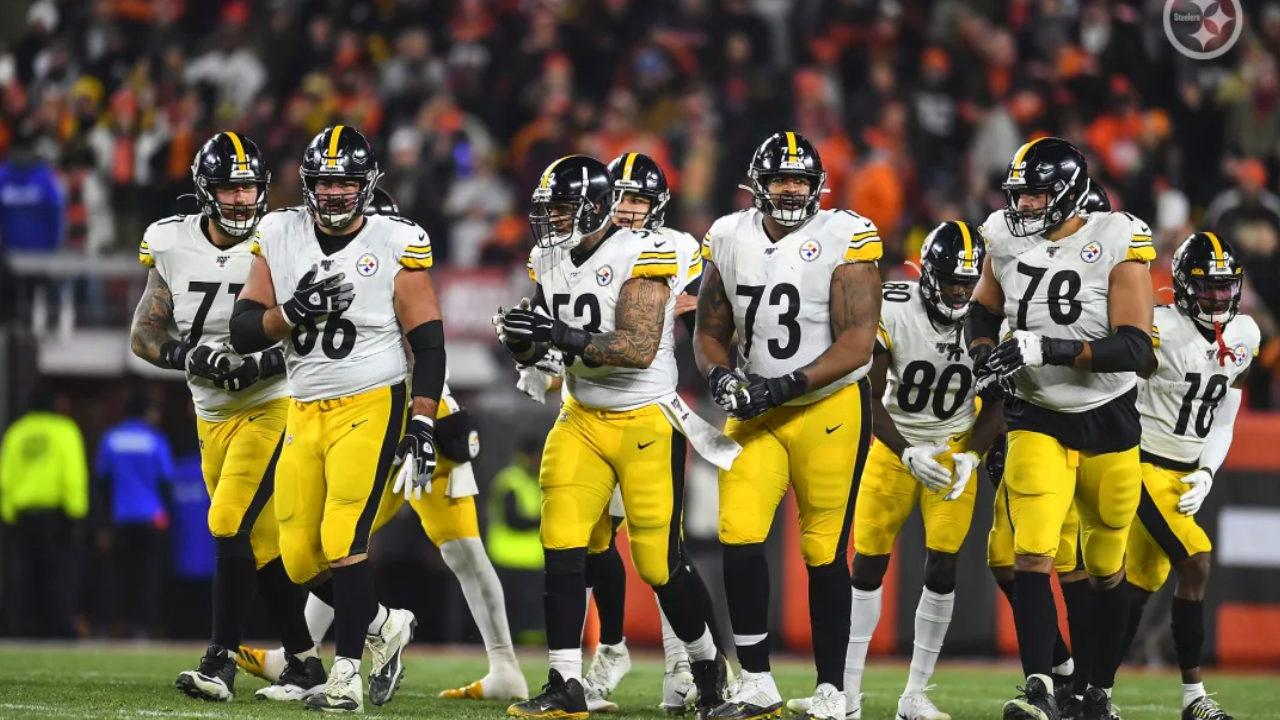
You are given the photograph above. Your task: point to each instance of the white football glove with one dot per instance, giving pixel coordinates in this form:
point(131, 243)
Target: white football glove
point(966, 463)
point(921, 461)
point(416, 456)
point(535, 383)
point(1201, 482)
point(1022, 349)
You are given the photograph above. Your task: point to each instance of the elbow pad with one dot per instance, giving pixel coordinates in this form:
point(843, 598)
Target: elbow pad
point(981, 324)
point(457, 438)
point(247, 334)
point(1128, 349)
point(427, 343)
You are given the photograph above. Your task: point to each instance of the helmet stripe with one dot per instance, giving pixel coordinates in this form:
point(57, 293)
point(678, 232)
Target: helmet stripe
point(546, 174)
point(1219, 260)
point(967, 260)
point(333, 145)
point(241, 161)
point(1017, 159)
point(791, 146)
point(626, 168)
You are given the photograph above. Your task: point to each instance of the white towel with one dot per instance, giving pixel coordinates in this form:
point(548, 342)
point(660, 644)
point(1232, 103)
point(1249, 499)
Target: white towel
point(462, 482)
point(709, 442)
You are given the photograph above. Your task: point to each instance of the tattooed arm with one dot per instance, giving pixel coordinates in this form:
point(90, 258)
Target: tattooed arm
point(641, 312)
point(152, 321)
point(713, 328)
point(855, 313)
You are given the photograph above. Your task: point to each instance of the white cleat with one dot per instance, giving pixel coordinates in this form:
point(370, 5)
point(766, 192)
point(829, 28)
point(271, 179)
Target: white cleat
point(598, 703)
point(851, 712)
point(610, 664)
point(343, 692)
point(755, 696)
point(300, 680)
point(917, 706)
point(494, 686)
point(679, 693)
point(827, 703)
point(386, 649)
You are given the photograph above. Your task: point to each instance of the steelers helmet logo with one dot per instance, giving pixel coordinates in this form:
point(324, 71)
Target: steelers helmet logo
point(367, 265)
point(473, 444)
point(604, 276)
point(810, 250)
point(1091, 252)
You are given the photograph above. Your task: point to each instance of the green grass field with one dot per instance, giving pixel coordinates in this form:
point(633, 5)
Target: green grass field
point(99, 681)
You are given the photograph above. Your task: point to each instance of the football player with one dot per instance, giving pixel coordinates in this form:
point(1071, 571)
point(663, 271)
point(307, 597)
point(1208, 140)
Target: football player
point(197, 265)
point(1076, 290)
point(605, 299)
point(801, 288)
point(928, 445)
point(348, 425)
point(1188, 405)
point(448, 517)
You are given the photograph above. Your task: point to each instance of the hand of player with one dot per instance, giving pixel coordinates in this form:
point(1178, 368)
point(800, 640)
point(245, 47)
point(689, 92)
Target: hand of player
point(764, 394)
point(174, 352)
point(728, 389)
point(530, 325)
point(200, 363)
point(922, 461)
point(686, 303)
point(416, 457)
point(271, 363)
point(514, 345)
point(1022, 349)
point(1201, 482)
point(966, 463)
point(316, 298)
point(551, 363)
point(235, 372)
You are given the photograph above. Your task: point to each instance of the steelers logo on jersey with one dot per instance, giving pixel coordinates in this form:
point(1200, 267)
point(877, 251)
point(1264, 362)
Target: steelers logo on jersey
point(810, 250)
point(367, 264)
point(473, 444)
point(1241, 354)
point(1091, 252)
point(604, 276)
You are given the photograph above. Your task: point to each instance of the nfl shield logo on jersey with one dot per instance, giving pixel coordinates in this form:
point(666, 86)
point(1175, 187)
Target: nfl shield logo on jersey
point(810, 250)
point(1091, 252)
point(367, 265)
point(604, 275)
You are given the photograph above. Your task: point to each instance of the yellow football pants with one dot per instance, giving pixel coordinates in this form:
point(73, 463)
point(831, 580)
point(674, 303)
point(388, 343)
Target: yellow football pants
point(1000, 539)
point(1161, 535)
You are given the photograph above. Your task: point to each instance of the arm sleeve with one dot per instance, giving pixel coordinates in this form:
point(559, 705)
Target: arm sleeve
point(1128, 349)
point(1218, 442)
point(75, 476)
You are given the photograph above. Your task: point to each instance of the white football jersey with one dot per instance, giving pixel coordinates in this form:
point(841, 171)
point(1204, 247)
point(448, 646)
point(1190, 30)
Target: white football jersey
point(929, 393)
point(586, 296)
point(205, 280)
point(1178, 401)
point(781, 292)
point(361, 348)
point(1059, 289)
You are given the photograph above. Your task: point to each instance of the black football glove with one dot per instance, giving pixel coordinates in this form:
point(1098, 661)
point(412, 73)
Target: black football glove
point(200, 363)
point(416, 456)
point(1027, 349)
point(174, 352)
point(526, 324)
point(313, 298)
point(271, 363)
point(764, 394)
point(237, 378)
point(727, 389)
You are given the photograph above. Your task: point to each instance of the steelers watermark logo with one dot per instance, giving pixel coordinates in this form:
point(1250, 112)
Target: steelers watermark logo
point(1203, 29)
point(604, 276)
point(367, 265)
point(810, 250)
point(1091, 252)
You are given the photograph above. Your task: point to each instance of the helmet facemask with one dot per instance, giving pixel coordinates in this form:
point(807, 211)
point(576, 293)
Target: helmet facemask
point(1209, 300)
point(333, 209)
point(788, 209)
point(237, 219)
point(947, 293)
point(651, 218)
point(1058, 207)
point(562, 223)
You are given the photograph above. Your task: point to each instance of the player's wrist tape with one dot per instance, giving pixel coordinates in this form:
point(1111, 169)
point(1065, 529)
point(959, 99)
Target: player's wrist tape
point(789, 387)
point(1128, 349)
point(427, 343)
point(569, 339)
point(1058, 351)
point(247, 333)
point(171, 355)
point(271, 363)
point(981, 324)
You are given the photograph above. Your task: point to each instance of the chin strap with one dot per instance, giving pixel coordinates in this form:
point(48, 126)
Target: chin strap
point(1224, 352)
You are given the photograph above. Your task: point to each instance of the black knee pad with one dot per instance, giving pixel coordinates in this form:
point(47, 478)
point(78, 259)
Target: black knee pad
point(565, 562)
point(940, 572)
point(868, 571)
point(235, 546)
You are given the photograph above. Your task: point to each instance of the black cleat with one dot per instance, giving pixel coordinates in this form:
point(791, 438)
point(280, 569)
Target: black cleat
point(214, 679)
point(300, 680)
point(1062, 690)
point(710, 677)
point(1069, 707)
point(1096, 705)
point(1034, 702)
point(1205, 708)
point(560, 698)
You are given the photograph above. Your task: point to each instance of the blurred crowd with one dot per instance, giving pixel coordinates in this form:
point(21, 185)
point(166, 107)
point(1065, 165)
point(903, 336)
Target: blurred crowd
point(915, 106)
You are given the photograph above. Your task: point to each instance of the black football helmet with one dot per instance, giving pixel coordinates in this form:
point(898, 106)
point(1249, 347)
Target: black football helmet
point(230, 159)
point(1095, 199)
point(950, 265)
point(1207, 280)
point(382, 204)
point(786, 153)
point(639, 174)
point(338, 153)
point(571, 201)
point(1049, 166)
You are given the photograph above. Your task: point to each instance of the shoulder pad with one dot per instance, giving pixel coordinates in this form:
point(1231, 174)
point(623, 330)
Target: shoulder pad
point(409, 242)
point(1136, 233)
point(157, 238)
point(1249, 333)
point(656, 257)
point(860, 234)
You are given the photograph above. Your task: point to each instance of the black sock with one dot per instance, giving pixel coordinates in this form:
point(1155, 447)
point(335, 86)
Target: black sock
point(565, 597)
point(1078, 597)
point(746, 584)
point(232, 580)
point(286, 603)
point(607, 579)
point(705, 607)
point(1188, 631)
point(829, 605)
point(1036, 618)
point(1110, 618)
point(680, 603)
point(355, 603)
point(324, 590)
point(1137, 604)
